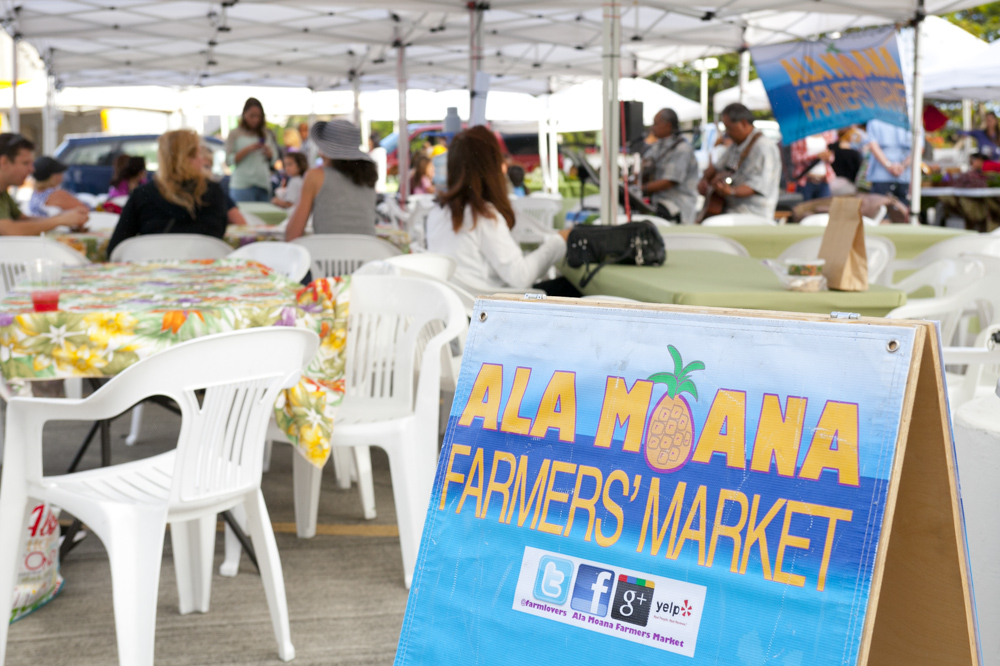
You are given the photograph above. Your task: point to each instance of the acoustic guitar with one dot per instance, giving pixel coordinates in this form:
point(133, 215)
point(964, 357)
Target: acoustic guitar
point(715, 203)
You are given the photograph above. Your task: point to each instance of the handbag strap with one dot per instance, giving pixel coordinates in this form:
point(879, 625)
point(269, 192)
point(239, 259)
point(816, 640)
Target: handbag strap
point(588, 274)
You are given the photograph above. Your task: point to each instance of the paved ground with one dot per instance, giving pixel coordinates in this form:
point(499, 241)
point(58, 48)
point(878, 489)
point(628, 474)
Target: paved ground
point(345, 593)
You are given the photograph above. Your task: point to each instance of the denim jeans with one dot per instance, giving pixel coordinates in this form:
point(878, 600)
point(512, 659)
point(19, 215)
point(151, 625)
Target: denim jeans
point(899, 190)
point(811, 190)
point(252, 193)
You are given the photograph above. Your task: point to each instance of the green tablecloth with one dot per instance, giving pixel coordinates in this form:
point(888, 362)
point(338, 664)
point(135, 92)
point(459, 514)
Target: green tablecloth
point(769, 242)
point(723, 280)
point(267, 212)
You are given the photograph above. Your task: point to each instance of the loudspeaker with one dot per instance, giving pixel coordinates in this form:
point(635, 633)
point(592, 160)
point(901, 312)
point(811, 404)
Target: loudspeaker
point(632, 119)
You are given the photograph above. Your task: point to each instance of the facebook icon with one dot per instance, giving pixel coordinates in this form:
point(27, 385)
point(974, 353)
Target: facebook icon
point(593, 590)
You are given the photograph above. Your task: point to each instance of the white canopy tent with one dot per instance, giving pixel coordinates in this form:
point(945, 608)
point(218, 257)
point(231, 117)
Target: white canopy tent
point(975, 76)
point(754, 97)
point(578, 108)
point(320, 45)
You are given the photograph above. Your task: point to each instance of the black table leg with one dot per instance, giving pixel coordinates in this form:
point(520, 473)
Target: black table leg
point(241, 537)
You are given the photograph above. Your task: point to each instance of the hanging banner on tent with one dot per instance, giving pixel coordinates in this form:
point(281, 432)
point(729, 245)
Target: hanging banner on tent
point(828, 84)
point(661, 486)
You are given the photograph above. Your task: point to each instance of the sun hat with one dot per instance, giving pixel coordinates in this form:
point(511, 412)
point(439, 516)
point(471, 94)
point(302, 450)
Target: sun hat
point(338, 140)
point(46, 167)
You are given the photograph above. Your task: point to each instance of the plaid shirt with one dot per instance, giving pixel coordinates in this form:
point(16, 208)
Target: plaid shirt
point(801, 158)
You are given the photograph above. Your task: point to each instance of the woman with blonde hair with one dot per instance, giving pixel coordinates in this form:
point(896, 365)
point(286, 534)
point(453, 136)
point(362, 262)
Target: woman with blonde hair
point(179, 200)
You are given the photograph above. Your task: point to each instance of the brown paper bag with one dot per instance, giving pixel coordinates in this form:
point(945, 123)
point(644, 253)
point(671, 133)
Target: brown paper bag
point(843, 246)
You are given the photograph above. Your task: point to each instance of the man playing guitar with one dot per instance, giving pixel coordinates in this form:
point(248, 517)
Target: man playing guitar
point(749, 173)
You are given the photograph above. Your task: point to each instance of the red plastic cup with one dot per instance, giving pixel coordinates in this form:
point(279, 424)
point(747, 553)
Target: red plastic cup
point(45, 300)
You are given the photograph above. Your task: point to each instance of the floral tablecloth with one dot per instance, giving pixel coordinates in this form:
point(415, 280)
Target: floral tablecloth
point(94, 244)
point(113, 315)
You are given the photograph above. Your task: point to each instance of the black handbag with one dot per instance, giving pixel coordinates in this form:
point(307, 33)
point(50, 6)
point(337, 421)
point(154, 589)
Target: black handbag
point(634, 243)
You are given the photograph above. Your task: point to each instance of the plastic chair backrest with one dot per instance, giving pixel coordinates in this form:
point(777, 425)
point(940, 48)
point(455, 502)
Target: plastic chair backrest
point(980, 297)
point(221, 442)
point(703, 242)
point(388, 315)
point(165, 247)
point(289, 259)
point(439, 266)
point(15, 250)
point(737, 220)
point(823, 219)
point(879, 250)
point(944, 275)
point(986, 244)
point(341, 254)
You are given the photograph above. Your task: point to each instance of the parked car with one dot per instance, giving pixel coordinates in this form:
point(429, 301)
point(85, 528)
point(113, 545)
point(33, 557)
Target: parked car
point(90, 158)
point(522, 148)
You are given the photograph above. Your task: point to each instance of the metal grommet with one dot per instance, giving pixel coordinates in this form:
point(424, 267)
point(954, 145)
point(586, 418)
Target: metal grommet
point(482, 316)
point(893, 346)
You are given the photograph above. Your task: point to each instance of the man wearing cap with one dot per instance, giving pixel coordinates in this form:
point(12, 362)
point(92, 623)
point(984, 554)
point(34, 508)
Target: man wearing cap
point(48, 192)
point(340, 195)
point(16, 165)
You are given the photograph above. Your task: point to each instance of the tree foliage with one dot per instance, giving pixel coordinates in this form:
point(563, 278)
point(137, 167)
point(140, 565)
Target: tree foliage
point(982, 21)
point(686, 80)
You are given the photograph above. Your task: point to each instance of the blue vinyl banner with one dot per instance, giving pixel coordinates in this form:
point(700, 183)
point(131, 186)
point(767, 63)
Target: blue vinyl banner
point(829, 84)
point(644, 486)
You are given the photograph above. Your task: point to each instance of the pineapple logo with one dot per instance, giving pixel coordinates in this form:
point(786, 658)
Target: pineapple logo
point(670, 434)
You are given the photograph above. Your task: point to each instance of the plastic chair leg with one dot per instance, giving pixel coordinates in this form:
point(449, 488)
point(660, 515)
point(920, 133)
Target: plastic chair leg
point(306, 479)
point(74, 388)
point(259, 524)
point(193, 543)
point(135, 427)
point(134, 541)
point(268, 445)
point(366, 485)
point(231, 564)
point(13, 521)
point(343, 467)
point(412, 480)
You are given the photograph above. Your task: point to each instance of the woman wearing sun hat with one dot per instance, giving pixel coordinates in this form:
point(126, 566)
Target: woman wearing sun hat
point(340, 195)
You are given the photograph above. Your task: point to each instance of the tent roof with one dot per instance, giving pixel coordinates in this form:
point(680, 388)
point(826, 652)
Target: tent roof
point(975, 77)
point(318, 44)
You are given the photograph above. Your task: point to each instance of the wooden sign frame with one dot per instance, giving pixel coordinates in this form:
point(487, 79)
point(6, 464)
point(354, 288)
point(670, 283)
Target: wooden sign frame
point(920, 606)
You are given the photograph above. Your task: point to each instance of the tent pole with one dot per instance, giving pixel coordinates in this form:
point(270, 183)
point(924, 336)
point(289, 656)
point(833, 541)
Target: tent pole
point(403, 145)
point(744, 75)
point(917, 123)
point(704, 91)
point(475, 42)
point(356, 111)
point(543, 147)
point(610, 137)
point(49, 130)
point(15, 113)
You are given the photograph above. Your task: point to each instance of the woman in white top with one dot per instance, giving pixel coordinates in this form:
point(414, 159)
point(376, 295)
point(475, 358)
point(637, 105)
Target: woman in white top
point(473, 219)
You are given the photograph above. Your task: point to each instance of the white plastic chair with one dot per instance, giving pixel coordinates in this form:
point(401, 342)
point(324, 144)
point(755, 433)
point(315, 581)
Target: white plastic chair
point(289, 259)
point(981, 298)
point(534, 218)
point(738, 220)
point(944, 275)
point(163, 247)
point(391, 399)
point(341, 254)
point(215, 467)
point(15, 250)
point(439, 266)
point(985, 244)
point(703, 242)
point(823, 219)
point(982, 369)
point(879, 250)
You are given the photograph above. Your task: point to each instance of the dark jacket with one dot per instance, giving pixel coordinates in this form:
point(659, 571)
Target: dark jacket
point(147, 212)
